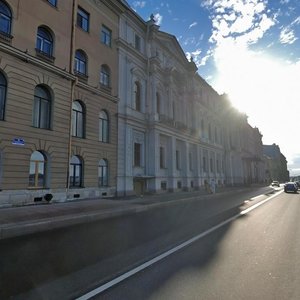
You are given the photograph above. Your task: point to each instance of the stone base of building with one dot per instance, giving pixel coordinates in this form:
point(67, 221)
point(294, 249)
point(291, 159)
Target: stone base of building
point(11, 198)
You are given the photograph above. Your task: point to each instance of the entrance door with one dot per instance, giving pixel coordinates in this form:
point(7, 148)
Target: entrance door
point(138, 186)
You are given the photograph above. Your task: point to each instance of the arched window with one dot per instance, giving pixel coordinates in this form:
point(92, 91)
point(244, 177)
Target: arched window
point(41, 108)
point(137, 96)
point(80, 66)
point(44, 41)
point(105, 76)
point(103, 172)
point(103, 127)
point(76, 174)
point(37, 171)
point(78, 119)
point(5, 18)
point(3, 88)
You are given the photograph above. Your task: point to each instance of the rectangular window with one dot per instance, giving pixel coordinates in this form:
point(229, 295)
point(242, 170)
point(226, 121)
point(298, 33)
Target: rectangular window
point(163, 185)
point(204, 164)
point(191, 161)
point(162, 157)
point(137, 42)
point(211, 165)
point(137, 154)
point(106, 36)
point(177, 159)
point(218, 166)
point(83, 19)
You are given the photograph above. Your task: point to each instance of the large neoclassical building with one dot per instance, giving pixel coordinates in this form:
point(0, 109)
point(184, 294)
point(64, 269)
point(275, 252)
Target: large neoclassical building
point(174, 131)
point(96, 102)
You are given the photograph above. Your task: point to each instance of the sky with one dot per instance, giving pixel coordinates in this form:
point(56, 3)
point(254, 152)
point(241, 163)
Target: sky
point(249, 49)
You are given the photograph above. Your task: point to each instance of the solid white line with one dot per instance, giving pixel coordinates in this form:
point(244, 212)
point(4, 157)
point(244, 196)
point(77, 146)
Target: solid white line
point(143, 266)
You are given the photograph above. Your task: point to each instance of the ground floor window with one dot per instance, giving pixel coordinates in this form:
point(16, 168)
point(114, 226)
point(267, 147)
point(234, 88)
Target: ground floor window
point(76, 178)
point(37, 170)
point(103, 173)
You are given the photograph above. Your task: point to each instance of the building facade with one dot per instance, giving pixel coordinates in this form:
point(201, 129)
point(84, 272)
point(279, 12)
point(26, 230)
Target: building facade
point(96, 102)
point(175, 132)
point(58, 100)
point(276, 164)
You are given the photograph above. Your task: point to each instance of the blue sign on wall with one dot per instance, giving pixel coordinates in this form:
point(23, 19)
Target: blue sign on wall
point(18, 142)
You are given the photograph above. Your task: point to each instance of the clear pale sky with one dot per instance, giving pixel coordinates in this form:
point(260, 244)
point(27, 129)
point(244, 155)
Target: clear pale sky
point(249, 49)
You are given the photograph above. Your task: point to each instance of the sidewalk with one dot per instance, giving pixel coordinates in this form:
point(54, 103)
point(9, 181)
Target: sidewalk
point(17, 221)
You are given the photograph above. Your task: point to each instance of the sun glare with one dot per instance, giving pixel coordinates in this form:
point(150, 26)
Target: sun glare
point(267, 89)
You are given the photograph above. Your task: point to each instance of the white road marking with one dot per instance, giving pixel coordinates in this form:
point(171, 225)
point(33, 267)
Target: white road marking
point(143, 266)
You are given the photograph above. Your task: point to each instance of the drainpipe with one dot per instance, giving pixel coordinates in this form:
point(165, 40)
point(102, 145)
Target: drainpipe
point(73, 84)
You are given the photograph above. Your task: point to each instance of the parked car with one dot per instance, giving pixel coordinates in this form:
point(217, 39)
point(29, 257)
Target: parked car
point(275, 183)
point(290, 187)
point(298, 184)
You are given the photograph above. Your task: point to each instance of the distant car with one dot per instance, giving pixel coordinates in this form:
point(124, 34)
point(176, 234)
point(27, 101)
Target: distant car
point(298, 184)
point(275, 183)
point(290, 187)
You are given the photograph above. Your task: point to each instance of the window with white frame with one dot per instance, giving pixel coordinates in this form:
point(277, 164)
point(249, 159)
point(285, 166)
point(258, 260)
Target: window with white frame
point(83, 19)
point(76, 172)
point(78, 119)
point(105, 76)
point(37, 170)
point(41, 108)
point(106, 36)
point(103, 127)
point(103, 173)
point(44, 41)
point(5, 19)
point(80, 64)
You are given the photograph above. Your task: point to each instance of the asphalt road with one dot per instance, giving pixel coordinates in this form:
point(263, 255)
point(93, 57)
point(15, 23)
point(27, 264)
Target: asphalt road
point(255, 256)
point(65, 263)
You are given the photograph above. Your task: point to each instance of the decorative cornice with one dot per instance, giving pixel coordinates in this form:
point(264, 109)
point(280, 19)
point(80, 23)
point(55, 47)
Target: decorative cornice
point(35, 61)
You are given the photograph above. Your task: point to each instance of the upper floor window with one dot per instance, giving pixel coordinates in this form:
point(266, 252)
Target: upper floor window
point(78, 119)
point(162, 157)
point(177, 157)
point(137, 42)
point(103, 172)
point(52, 2)
point(37, 170)
point(137, 154)
point(5, 18)
point(41, 108)
point(3, 88)
point(158, 109)
point(76, 174)
point(190, 161)
point(103, 127)
point(80, 63)
point(83, 19)
point(44, 41)
point(105, 75)
point(106, 36)
point(204, 164)
point(137, 96)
